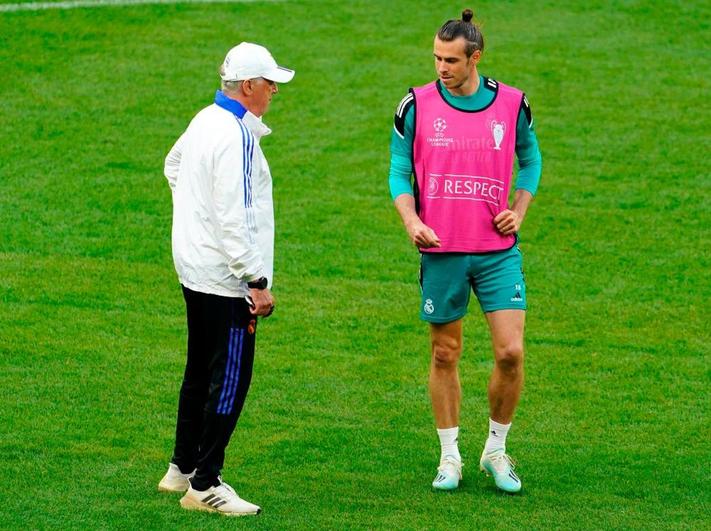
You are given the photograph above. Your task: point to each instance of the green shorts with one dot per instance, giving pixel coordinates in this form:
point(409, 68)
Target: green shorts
point(447, 280)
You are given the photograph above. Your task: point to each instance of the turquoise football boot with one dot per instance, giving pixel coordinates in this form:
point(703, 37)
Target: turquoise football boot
point(501, 466)
point(449, 473)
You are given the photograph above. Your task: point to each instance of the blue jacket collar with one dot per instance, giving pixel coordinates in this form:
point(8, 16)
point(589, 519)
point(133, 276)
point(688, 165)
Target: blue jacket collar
point(229, 104)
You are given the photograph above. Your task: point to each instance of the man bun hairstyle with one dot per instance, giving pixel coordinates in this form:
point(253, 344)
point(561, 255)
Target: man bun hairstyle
point(464, 27)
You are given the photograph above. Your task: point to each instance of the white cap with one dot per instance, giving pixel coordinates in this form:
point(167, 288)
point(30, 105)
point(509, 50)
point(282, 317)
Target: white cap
point(250, 61)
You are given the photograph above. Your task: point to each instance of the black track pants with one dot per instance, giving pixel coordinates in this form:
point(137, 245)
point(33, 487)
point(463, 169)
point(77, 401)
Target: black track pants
point(221, 333)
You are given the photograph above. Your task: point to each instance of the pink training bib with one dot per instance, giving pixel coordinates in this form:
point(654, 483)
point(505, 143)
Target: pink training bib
point(463, 163)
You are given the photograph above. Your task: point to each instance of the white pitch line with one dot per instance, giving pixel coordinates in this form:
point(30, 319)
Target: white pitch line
point(73, 4)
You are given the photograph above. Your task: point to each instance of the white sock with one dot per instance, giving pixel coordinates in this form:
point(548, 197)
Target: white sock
point(496, 443)
point(448, 441)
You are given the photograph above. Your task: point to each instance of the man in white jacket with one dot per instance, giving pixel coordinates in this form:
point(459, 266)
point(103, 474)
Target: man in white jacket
point(223, 248)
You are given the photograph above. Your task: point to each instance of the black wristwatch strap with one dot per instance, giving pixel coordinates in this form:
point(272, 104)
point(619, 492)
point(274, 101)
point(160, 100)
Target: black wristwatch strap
point(260, 283)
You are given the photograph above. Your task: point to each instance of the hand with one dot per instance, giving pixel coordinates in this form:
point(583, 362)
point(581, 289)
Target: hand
point(263, 302)
point(421, 235)
point(507, 222)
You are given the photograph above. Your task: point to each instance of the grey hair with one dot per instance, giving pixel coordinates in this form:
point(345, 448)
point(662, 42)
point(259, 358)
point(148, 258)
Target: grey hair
point(229, 86)
point(464, 27)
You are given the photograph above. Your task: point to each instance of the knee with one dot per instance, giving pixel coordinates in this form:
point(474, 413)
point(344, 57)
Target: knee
point(509, 358)
point(446, 353)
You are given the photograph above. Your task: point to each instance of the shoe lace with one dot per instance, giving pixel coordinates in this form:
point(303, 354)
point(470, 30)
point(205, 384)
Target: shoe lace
point(447, 462)
point(224, 486)
point(500, 461)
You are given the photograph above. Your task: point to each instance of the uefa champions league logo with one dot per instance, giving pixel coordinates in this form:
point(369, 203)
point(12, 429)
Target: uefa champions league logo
point(498, 129)
point(439, 125)
point(438, 140)
point(432, 187)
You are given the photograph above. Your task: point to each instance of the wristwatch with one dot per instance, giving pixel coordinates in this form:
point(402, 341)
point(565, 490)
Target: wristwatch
point(260, 283)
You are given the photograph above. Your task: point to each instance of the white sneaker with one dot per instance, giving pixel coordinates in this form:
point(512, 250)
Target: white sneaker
point(221, 499)
point(448, 474)
point(501, 466)
point(174, 480)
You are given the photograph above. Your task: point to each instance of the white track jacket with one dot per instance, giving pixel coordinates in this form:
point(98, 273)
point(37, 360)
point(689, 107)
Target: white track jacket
point(223, 215)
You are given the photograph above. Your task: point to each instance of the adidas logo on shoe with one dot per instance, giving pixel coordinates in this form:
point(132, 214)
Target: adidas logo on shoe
point(220, 499)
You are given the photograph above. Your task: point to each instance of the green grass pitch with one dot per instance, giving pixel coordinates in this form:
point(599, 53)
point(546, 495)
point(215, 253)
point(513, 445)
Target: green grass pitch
point(613, 427)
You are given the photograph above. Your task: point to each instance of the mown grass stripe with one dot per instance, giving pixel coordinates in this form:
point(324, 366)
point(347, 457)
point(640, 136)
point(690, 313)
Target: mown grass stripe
point(42, 6)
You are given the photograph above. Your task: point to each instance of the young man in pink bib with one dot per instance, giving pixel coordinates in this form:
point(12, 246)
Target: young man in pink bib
point(458, 136)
